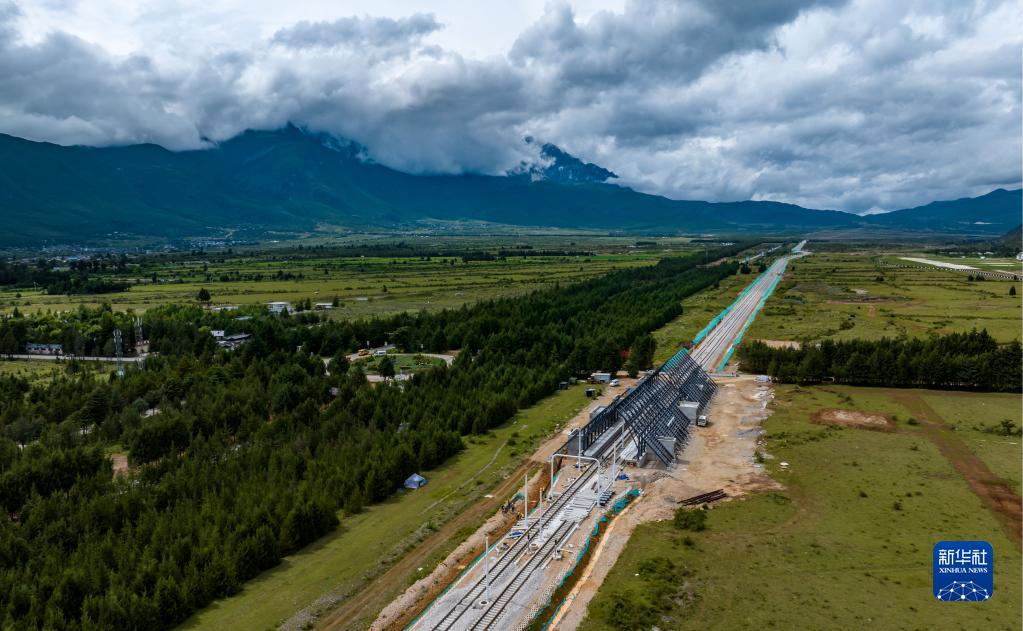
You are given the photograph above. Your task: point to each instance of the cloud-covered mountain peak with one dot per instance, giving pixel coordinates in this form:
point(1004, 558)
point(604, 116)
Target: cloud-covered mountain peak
point(554, 164)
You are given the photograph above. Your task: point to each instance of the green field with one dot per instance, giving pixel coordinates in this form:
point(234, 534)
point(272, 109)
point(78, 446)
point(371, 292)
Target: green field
point(367, 543)
point(974, 416)
point(28, 369)
point(846, 545)
point(402, 363)
point(40, 370)
point(839, 296)
point(363, 285)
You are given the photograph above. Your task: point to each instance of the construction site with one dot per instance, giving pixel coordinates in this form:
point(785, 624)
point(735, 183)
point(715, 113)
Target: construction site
point(643, 453)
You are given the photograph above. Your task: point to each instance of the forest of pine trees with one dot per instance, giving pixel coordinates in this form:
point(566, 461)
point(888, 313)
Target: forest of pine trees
point(241, 457)
point(960, 361)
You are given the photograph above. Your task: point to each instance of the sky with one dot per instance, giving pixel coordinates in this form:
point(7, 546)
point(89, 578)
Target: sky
point(857, 105)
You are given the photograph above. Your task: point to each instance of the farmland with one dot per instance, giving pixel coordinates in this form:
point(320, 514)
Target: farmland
point(851, 295)
point(846, 544)
point(363, 285)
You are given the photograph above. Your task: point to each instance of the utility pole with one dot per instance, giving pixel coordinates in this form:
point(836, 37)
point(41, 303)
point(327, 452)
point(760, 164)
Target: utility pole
point(550, 489)
point(525, 511)
point(486, 567)
point(118, 348)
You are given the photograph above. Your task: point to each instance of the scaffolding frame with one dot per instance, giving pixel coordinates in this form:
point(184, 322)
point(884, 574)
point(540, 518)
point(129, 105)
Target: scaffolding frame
point(650, 410)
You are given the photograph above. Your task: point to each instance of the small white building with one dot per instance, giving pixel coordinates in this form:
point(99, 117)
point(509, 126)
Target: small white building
point(601, 377)
point(278, 307)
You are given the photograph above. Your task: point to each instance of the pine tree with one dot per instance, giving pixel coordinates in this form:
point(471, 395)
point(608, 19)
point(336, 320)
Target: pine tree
point(386, 368)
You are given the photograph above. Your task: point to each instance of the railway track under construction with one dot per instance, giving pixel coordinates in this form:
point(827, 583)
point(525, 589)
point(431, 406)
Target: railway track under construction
point(650, 422)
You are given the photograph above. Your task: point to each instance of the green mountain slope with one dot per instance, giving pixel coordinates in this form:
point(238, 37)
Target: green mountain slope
point(994, 213)
point(291, 179)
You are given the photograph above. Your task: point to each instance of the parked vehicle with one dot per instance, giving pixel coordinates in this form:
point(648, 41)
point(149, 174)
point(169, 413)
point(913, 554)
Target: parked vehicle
point(614, 382)
point(701, 421)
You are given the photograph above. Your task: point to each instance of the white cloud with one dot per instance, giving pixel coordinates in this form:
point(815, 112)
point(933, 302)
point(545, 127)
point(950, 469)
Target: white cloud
point(863, 105)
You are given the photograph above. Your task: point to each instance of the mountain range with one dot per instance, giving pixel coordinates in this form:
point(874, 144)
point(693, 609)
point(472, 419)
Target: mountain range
point(295, 180)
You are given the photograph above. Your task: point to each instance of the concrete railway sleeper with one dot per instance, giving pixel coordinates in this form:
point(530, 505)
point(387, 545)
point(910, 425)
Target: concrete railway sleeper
point(478, 590)
point(651, 416)
point(497, 608)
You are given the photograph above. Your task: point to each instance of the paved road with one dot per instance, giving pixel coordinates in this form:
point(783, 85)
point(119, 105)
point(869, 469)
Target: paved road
point(130, 359)
point(374, 378)
point(447, 357)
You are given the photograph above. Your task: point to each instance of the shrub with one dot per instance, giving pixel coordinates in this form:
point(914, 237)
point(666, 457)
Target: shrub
point(695, 520)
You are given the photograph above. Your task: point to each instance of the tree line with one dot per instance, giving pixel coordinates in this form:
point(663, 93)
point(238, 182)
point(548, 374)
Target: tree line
point(238, 458)
point(961, 361)
point(81, 277)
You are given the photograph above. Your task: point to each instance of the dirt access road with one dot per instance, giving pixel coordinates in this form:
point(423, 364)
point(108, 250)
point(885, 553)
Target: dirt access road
point(719, 456)
point(995, 494)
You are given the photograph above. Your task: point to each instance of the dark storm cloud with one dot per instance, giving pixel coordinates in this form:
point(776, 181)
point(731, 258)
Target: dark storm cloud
point(357, 31)
point(867, 104)
point(67, 90)
point(650, 41)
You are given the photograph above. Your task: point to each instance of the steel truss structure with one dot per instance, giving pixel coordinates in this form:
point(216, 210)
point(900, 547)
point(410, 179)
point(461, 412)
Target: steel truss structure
point(649, 413)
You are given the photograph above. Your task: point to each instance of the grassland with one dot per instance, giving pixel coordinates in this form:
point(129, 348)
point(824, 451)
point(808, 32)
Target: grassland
point(976, 418)
point(363, 285)
point(367, 543)
point(847, 544)
point(843, 296)
point(36, 370)
point(402, 363)
point(28, 369)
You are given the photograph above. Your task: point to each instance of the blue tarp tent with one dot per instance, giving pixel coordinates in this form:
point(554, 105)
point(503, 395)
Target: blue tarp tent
point(415, 481)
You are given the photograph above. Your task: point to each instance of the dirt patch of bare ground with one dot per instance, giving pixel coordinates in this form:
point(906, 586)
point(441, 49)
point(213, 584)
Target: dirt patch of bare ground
point(1000, 499)
point(853, 418)
point(120, 462)
point(782, 344)
point(719, 456)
